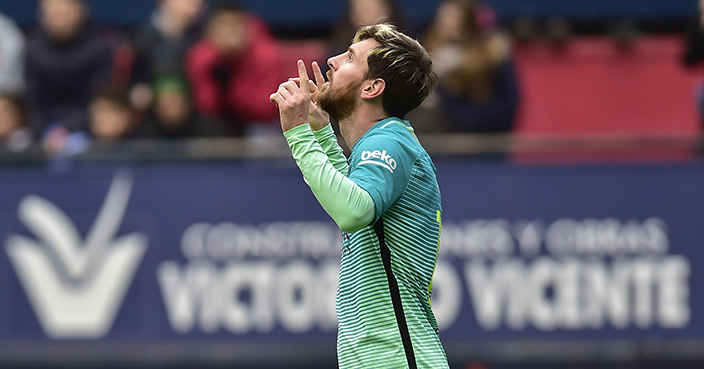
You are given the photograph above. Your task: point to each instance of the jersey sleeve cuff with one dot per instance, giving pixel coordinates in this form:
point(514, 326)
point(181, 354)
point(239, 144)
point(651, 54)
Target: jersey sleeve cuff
point(325, 133)
point(298, 133)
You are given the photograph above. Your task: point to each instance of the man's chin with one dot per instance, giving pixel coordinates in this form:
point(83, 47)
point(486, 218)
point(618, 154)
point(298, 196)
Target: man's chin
point(339, 104)
point(337, 112)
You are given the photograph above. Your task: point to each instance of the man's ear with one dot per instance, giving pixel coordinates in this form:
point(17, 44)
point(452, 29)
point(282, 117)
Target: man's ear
point(373, 88)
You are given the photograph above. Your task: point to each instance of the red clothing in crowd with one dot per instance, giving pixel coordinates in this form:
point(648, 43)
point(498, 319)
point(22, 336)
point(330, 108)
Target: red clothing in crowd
point(236, 85)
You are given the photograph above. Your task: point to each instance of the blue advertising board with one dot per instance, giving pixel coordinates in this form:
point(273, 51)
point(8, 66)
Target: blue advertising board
point(242, 252)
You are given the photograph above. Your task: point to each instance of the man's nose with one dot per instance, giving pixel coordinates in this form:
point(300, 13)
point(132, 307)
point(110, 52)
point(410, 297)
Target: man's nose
point(332, 62)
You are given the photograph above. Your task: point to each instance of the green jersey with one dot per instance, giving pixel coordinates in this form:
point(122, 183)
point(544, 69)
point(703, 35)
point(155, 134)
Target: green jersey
point(383, 297)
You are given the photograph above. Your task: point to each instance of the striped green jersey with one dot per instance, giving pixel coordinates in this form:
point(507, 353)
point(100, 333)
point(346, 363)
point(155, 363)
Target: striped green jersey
point(383, 297)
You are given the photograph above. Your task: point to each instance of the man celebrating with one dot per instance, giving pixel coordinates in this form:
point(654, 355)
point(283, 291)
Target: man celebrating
point(386, 199)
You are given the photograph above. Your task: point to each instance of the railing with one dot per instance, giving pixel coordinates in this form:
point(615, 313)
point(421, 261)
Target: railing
point(547, 147)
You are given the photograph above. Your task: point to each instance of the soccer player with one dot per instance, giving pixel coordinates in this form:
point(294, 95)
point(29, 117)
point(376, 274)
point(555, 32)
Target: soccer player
point(385, 198)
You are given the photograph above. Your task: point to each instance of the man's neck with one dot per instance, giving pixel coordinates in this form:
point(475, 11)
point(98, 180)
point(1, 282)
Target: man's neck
point(356, 125)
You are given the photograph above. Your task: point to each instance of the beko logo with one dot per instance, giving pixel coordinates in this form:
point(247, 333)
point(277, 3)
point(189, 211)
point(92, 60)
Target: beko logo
point(380, 158)
point(76, 286)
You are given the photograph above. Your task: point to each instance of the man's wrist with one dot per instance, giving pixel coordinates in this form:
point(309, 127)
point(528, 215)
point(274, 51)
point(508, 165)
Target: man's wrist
point(317, 128)
point(300, 130)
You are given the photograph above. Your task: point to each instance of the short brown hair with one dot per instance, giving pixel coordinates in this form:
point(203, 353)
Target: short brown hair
point(403, 63)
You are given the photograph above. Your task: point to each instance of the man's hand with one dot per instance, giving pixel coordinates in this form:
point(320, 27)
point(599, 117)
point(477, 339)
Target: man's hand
point(293, 100)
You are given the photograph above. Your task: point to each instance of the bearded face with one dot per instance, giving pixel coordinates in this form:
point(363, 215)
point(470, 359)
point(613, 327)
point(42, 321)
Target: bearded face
point(347, 74)
point(338, 101)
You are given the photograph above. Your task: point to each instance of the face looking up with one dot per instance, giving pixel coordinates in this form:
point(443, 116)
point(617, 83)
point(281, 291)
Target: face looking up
point(347, 72)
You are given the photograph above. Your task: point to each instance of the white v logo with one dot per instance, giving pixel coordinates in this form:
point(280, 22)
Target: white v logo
point(99, 272)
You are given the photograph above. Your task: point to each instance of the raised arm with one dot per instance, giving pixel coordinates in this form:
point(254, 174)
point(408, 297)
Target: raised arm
point(347, 203)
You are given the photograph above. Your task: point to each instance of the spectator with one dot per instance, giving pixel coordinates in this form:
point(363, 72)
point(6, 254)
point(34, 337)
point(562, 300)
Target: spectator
point(233, 70)
point(160, 46)
point(65, 63)
point(360, 13)
point(111, 117)
point(12, 46)
point(478, 86)
point(172, 114)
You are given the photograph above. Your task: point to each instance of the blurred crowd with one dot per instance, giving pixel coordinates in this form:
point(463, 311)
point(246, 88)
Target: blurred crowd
point(206, 70)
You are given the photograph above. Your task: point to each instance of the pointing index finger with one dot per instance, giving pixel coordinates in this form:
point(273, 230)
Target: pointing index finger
point(303, 75)
point(319, 79)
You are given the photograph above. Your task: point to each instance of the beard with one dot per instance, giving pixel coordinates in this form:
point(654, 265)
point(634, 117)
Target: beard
point(339, 104)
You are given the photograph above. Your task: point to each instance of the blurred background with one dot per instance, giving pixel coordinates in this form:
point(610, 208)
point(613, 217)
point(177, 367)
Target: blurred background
point(151, 215)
